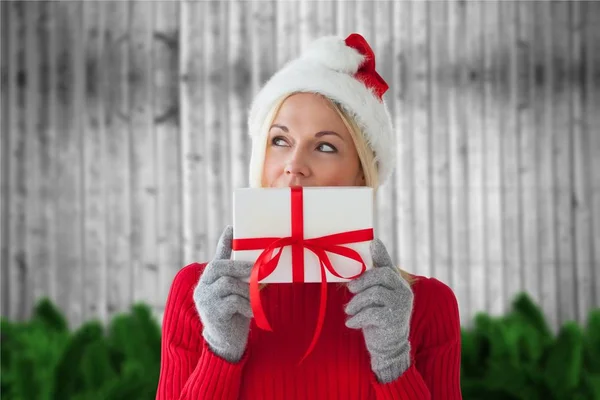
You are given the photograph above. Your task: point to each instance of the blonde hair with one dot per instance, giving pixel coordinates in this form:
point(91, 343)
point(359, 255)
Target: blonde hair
point(366, 156)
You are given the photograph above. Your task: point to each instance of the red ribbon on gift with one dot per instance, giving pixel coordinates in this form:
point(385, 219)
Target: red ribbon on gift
point(265, 264)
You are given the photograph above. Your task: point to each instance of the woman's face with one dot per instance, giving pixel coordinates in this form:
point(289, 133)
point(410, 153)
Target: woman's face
point(309, 145)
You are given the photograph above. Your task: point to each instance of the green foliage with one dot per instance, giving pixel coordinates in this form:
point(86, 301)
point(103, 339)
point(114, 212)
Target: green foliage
point(42, 359)
point(516, 356)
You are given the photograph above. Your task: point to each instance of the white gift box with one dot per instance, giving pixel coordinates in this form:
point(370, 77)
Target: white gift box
point(267, 213)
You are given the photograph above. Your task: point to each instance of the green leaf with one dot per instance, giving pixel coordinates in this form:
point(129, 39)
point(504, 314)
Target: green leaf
point(49, 316)
point(69, 378)
point(96, 365)
point(531, 314)
point(565, 361)
point(592, 342)
point(136, 336)
point(592, 385)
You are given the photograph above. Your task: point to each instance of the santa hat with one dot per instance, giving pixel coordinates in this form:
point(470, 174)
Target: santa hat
point(342, 70)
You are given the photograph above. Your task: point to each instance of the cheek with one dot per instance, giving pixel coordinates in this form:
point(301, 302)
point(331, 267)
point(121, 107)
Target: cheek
point(342, 173)
point(272, 167)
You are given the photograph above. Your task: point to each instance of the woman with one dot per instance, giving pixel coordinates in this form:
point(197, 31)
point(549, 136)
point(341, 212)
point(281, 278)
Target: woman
point(320, 121)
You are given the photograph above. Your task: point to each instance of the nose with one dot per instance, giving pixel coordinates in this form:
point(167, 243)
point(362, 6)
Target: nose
point(297, 165)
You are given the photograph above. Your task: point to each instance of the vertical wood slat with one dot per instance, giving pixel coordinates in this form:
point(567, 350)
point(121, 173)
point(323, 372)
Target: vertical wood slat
point(205, 246)
point(95, 165)
point(144, 184)
point(528, 150)
point(35, 243)
point(401, 92)
point(78, 126)
point(287, 38)
point(309, 25)
point(192, 131)
point(561, 156)
point(346, 18)
point(5, 156)
point(364, 21)
point(382, 47)
point(340, 17)
point(187, 157)
point(262, 35)
point(582, 222)
point(509, 132)
point(166, 126)
point(458, 158)
point(494, 262)
point(14, 268)
point(118, 145)
point(475, 149)
point(239, 91)
point(50, 208)
point(326, 15)
point(592, 127)
point(545, 178)
point(224, 116)
point(262, 27)
point(440, 212)
point(420, 102)
point(68, 190)
point(213, 128)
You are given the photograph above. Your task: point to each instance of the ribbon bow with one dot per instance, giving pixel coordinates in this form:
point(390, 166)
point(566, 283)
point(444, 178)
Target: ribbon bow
point(265, 264)
point(367, 73)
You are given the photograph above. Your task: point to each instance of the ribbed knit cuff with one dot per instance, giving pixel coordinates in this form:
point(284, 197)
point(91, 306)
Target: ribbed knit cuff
point(215, 377)
point(409, 386)
point(232, 357)
point(391, 372)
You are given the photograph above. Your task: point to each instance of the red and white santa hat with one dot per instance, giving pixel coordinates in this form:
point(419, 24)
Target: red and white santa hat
point(342, 70)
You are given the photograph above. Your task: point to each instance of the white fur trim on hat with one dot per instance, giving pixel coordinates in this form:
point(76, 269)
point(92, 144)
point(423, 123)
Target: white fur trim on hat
point(327, 67)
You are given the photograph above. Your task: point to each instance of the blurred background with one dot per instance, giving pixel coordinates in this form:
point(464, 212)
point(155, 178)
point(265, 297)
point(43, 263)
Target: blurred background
point(124, 134)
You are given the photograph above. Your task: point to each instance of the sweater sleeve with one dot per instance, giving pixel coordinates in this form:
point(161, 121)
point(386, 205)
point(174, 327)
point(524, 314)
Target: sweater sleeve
point(435, 371)
point(188, 368)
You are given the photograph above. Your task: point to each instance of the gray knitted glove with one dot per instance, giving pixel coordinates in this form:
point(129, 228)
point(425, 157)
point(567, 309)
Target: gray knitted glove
point(381, 307)
point(222, 300)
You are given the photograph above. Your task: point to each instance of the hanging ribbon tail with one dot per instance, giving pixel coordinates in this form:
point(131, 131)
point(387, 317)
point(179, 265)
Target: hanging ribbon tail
point(321, 316)
point(325, 264)
point(260, 269)
point(257, 308)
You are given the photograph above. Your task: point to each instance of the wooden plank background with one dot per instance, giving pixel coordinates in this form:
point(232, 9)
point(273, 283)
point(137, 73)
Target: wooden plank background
point(124, 134)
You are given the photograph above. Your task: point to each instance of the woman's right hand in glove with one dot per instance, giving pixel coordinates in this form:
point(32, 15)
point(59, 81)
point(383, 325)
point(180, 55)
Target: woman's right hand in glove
point(222, 299)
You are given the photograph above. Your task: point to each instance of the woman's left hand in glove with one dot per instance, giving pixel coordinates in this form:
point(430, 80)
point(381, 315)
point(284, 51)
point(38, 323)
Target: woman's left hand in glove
point(382, 306)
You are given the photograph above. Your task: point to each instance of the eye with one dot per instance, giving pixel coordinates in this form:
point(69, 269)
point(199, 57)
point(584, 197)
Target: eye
point(279, 141)
point(327, 148)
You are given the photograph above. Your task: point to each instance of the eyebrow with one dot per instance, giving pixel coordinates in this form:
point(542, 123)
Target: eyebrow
point(318, 134)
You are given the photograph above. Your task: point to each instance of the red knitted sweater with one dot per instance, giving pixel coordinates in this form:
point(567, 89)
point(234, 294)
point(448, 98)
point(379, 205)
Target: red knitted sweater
point(338, 367)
